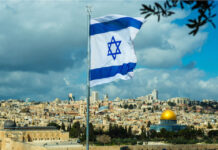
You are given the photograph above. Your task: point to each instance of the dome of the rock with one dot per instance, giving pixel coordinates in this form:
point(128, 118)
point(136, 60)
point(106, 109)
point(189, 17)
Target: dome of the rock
point(168, 115)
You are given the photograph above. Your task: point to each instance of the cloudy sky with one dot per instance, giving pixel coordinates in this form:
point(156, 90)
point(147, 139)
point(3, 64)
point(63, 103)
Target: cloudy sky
point(43, 47)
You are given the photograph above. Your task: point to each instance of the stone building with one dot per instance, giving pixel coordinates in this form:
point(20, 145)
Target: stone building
point(30, 134)
point(179, 100)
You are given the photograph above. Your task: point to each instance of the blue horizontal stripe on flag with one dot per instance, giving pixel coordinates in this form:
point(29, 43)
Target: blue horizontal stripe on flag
point(114, 25)
point(107, 72)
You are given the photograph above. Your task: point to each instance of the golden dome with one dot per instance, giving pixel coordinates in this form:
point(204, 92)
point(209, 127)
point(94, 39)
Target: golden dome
point(168, 115)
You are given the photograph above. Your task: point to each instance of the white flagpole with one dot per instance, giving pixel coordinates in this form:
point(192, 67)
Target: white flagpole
point(88, 82)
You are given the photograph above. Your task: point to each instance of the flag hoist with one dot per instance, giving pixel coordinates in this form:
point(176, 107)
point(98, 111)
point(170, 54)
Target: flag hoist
point(112, 52)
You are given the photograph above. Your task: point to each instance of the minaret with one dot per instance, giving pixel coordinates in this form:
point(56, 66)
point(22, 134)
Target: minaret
point(155, 94)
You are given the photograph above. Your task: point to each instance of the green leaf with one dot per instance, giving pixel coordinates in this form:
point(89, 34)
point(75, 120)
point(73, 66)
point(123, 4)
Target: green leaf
point(214, 15)
point(159, 6)
point(168, 4)
point(203, 22)
point(191, 25)
point(148, 15)
point(181, 5)
point(170, 13)
point(165, 5)
point(188, 2)
point(197, 5)
point(213, 24)
point(146, 7)
point(144, 12)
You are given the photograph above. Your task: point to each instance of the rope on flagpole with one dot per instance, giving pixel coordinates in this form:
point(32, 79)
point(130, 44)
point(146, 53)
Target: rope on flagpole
point(88, 77)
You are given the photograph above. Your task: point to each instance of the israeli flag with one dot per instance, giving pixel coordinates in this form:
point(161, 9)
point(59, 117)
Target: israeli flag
point(112, 51)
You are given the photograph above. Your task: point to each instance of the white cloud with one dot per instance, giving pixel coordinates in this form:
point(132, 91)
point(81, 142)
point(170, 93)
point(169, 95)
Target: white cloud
point(163, 44)
point(170, 83)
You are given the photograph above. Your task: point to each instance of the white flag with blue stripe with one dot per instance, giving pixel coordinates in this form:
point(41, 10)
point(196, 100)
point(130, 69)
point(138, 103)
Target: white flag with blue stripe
point(112, 51)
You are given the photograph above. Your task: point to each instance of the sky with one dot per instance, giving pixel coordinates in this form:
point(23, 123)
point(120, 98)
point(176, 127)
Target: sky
point(43, 52)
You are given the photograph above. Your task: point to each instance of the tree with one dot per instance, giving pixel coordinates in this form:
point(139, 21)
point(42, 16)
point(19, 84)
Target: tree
point(171, 104)
point(92, 135)
point(144, 110)
point(149, 124)
point(213, 134)
point(164, 133)
point(204, 9)
point(116, 131)
point(129, 131)
point(53, 124)
point(75, 130)
point(99, 131)
point(105, 139)
point(108, 118)
point(91, 132)
point(143, 133)
point(152, 134)
point(63, 126)
point(125, 106)
point(69, 128)
point(83, 133)
point(209, 126)
point(130, 106)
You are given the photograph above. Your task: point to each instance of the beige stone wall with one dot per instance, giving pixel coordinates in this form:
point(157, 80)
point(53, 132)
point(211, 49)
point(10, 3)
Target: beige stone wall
point(12, 145)
point(45, 135)
point(91, 148)
point(1, 135)
point(22, 146)
point(34, 135)
point(64, 136)
point(176, 147)
point(148, 147)
point(8, 137)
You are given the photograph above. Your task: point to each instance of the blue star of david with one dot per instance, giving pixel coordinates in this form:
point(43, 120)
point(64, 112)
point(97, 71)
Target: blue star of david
point(117, 44)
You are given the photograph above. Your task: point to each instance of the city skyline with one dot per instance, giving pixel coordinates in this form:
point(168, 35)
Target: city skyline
point(43, 53)
point(59, 123)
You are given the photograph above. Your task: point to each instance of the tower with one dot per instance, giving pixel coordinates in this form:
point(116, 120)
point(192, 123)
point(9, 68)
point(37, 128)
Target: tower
point(94, 97)
point(82, 109)
point(70, 96)
point(155, 94)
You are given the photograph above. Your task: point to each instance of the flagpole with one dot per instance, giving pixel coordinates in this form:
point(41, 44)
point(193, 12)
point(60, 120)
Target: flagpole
point(88, 77)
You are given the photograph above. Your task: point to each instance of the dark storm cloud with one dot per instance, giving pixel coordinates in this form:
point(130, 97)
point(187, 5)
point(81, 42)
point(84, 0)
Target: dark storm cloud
point(36, 41)
point(16, 84)
point(43, 50)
